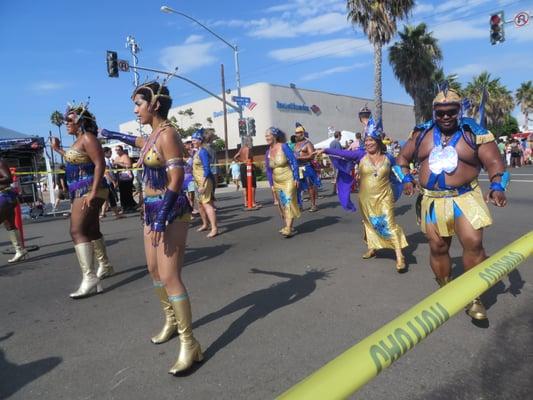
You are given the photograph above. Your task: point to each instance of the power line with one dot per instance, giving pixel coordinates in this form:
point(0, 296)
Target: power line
point(297, 60)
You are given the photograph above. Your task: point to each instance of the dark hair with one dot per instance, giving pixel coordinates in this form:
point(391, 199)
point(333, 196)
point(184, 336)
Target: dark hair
point(337, 134)
point(165, 102)
point(106, 149)
point(358, 135)
point(86, 120)
point(293, 139)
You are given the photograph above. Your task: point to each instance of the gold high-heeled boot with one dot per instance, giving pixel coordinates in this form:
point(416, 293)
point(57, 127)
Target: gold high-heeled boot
point(476, 310)
point(443, 281)
point(105, 268)
point(189, 349)
point(20, 251)
point(90, 282)
point(170, 329)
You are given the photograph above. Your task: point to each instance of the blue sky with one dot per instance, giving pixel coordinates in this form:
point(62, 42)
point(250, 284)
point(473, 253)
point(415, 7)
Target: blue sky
point(54, 51)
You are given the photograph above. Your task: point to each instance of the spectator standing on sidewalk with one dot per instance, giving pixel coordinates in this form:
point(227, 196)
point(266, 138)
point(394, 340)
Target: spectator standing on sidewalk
point(125, 180)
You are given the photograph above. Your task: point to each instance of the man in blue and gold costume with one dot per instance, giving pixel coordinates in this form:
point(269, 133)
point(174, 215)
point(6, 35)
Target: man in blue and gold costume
point(451, 151)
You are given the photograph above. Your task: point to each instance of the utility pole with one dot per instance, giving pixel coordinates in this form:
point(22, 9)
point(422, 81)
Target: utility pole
point(225, 108)
point(134, 48)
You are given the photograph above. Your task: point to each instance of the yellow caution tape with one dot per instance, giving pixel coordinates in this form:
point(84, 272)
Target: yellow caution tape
point(259, 163)
point(347, 373)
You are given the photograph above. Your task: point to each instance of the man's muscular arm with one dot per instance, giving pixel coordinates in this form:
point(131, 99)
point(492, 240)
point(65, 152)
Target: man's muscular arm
point(489, 155)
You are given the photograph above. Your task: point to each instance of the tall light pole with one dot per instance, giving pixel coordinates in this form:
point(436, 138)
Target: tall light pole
point(134, 48)
point(235, 49)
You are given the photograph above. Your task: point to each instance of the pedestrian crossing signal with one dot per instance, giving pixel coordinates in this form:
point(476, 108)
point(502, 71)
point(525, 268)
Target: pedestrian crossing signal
point(243, 127)
point(112, 64)
point(497, 34)
point(251, 126)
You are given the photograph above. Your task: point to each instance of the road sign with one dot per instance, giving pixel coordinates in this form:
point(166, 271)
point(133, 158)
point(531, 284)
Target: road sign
point(521, 19)
point(123, 65)
point(241, 101)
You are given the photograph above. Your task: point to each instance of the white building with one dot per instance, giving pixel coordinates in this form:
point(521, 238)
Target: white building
point(283, 106)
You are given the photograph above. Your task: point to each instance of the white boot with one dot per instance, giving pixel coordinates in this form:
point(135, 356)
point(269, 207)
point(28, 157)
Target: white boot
point(20, 251)
point(105, 268)
point(90, 283)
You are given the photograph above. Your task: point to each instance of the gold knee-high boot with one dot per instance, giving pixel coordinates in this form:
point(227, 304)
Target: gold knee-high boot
point(189, 348)
point(90, 282)
point(170, 329)
point(105, 268)
point(16, 240)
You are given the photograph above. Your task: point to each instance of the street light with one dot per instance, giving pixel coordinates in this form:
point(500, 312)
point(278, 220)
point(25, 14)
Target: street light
point(235, 49)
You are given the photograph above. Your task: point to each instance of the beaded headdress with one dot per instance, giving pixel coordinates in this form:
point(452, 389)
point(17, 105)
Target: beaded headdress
point(158, 94)
point(81, 110)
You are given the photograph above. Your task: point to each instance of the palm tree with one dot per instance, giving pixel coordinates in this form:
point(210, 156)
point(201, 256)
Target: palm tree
point(414, 61)
point(453, 80)
point(57, 119)
point(524, 98)
point(378, 20)
point(499, 103)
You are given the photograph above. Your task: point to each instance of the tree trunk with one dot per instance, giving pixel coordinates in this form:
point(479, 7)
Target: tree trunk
point(377, 82)
point(526, 115)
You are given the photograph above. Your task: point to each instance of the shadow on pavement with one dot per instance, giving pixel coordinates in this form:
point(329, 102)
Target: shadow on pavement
point(261, 303)
point(252, 220)
point(15, 377)
point(195, 255)
point(69, 250)
point(502, 369)
point(143, 271)
point(402, 209)
point(317, 223)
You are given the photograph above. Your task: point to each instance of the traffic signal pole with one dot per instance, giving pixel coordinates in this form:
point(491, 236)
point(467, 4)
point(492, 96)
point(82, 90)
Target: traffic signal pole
point(224, 107)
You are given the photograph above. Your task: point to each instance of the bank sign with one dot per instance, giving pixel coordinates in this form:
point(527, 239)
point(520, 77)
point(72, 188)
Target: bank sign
point(297, 107)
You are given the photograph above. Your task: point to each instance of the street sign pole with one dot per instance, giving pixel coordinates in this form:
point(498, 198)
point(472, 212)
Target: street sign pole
point(225, 108)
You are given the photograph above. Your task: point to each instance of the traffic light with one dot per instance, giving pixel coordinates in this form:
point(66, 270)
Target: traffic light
point(251, 126)
point(112, 64)
point(497, 34)
point(243, 128)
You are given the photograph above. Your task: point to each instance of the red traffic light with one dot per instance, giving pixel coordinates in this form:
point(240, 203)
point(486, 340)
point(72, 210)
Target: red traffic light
point(495, 19)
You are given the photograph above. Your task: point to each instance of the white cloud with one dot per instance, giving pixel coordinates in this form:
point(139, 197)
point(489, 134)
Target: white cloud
point(190, 55)
point(331, 71)
point(332, 48)
point(320, 25)
point(520, 62)
point(459, 30)
point(308, 8)
point(46, 86)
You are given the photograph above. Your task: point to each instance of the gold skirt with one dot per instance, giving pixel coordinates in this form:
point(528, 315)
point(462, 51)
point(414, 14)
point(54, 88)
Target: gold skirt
point(207, 194)
point(442, 211)
point(381, 229)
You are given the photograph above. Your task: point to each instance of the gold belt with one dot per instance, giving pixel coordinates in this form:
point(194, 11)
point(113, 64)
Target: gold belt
point(448, 192)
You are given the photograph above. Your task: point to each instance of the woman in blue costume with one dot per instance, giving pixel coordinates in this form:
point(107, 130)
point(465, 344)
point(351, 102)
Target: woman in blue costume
point(376, 194)
point(205, 183)
point(85, 166)
point(282, 173)
point(166, 216)
point(8, 202)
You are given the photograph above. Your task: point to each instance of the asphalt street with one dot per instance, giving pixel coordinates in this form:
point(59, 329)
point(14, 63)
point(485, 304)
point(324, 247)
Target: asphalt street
point(268, 311)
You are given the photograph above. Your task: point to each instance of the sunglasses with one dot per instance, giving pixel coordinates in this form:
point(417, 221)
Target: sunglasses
point(450, 113)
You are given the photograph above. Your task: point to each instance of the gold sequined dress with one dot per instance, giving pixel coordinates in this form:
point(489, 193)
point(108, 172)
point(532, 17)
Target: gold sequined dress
point(202, 173)
point(284, 184)
point(376, 204)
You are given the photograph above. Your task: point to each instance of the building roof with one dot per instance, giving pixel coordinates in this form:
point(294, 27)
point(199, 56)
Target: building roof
point(6, 133)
